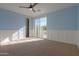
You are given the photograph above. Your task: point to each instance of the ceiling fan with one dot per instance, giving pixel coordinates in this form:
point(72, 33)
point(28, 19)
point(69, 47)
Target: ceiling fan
point(31, 7)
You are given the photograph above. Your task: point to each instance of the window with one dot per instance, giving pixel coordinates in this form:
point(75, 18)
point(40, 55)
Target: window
point(41, 27)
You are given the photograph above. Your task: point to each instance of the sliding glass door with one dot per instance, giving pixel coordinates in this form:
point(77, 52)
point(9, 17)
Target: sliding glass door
point(41, 27)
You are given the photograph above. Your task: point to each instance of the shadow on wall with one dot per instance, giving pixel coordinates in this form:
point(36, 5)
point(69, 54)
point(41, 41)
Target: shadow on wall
point(7, 36)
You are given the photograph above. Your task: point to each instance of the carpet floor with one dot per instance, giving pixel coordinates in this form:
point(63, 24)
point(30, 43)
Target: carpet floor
point(39, 48)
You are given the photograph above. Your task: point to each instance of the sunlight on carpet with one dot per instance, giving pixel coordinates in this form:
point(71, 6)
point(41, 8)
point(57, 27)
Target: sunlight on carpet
point(22, 41)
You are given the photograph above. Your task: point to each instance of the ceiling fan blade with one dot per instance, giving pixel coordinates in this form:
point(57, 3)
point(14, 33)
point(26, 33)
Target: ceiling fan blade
point(23, 7)
point(34, 4)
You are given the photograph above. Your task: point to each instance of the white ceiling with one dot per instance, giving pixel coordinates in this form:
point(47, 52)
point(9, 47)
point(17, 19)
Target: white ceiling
point(44, 8)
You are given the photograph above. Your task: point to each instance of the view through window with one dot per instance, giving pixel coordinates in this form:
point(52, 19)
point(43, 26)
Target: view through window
point(41, 27)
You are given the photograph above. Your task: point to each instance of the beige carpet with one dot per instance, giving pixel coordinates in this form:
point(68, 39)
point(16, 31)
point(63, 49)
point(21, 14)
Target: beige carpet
point(39, 48)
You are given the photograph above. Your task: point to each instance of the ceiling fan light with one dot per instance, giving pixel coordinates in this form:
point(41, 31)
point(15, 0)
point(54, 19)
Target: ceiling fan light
point(30, 9)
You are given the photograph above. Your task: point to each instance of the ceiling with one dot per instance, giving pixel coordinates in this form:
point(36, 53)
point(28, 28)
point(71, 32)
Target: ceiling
point(44, 8)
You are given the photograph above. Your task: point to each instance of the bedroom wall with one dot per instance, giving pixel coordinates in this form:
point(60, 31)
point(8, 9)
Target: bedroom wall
point(62, 25)
point(78, 26)
point(11, 25)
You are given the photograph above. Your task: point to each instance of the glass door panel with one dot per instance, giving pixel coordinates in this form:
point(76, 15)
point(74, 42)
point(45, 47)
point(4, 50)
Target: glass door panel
point(41, 27)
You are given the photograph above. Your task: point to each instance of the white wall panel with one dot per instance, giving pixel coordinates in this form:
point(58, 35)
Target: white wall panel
point(67, 36)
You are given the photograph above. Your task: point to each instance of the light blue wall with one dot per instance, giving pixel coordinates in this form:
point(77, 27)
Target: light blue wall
point(10, 20)
point(63, 19)
point(78, 17)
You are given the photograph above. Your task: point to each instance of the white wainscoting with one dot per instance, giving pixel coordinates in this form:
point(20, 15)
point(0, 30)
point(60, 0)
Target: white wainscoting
point(77, 39)
point(31, 33)
point(11, 35)
point(66, 36)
